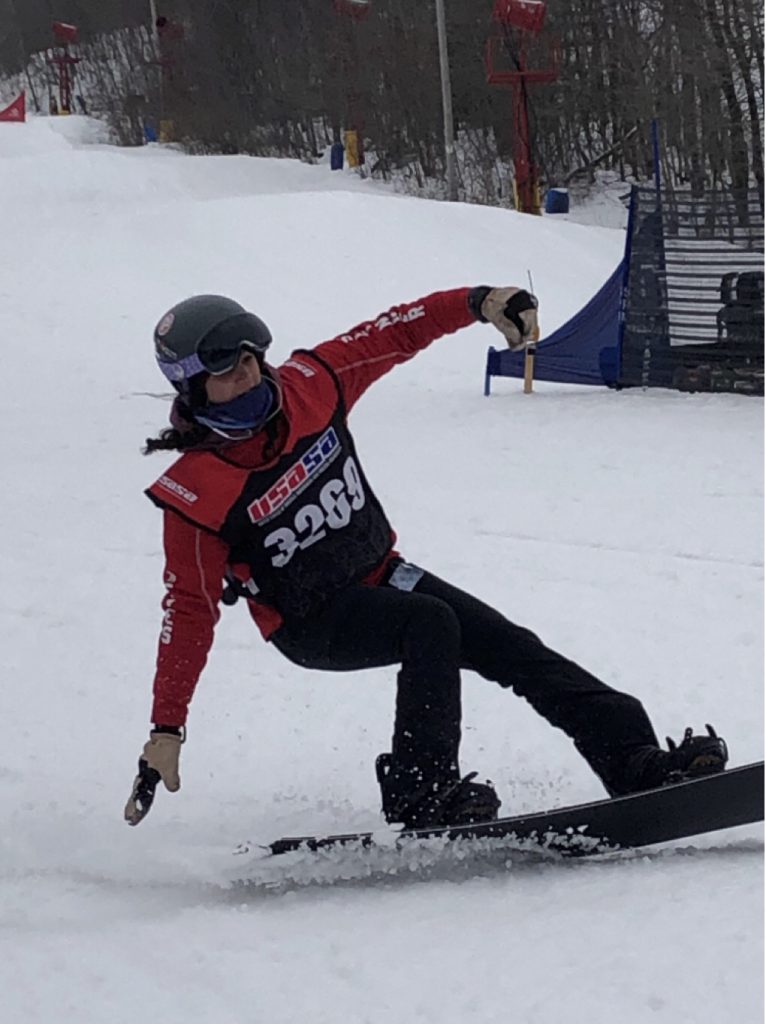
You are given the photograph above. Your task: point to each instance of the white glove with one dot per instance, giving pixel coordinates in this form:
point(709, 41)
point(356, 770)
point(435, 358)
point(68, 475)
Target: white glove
point(514, 312)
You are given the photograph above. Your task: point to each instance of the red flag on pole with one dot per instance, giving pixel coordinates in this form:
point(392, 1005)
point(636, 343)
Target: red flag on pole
point(16, 111)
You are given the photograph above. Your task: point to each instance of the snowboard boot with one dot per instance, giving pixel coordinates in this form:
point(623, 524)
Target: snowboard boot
point(443, 798)
point(649, 767)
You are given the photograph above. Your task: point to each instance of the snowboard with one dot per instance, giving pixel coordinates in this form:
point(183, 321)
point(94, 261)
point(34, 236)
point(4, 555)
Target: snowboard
point(676, 811)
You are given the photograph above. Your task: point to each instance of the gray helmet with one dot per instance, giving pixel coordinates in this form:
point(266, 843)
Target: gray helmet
point(205, 334)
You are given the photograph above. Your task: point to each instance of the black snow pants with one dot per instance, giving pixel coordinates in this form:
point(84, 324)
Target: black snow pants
point(434, 630)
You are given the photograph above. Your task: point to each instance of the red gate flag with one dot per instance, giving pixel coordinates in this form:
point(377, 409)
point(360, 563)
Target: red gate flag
point(16, 111)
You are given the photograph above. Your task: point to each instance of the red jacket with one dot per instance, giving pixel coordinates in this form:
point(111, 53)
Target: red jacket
point(196, 559)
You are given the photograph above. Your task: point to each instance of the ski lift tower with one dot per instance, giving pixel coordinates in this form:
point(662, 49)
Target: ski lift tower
point(65, 36)
point(516, 24)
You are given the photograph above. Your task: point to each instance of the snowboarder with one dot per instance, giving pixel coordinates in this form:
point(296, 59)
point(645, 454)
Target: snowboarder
point(268, 501)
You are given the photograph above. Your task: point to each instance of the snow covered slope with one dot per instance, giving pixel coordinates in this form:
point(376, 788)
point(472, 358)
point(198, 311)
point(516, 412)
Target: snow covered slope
point(624, 528)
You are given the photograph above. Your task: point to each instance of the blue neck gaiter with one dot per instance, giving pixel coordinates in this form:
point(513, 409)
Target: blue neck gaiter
point(248, 411)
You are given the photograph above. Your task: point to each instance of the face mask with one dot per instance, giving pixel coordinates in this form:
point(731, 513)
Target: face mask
point(247, 411)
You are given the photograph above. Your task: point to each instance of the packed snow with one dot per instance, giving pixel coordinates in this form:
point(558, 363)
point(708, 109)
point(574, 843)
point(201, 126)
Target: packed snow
point(625, 528)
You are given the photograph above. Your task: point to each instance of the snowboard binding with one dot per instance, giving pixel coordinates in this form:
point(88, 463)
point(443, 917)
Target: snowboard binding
point(696, 755)
point(419, 802)
point(648, 767)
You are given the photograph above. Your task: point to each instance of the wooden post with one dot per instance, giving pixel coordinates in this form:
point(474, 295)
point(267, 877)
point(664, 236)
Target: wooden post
point(529, 363)
point(531, 349)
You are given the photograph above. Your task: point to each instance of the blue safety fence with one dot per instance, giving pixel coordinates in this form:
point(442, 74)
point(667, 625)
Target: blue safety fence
point(683, 309)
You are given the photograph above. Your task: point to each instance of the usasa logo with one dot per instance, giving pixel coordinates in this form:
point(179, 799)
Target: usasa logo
point(175, 488)
point(297, 477)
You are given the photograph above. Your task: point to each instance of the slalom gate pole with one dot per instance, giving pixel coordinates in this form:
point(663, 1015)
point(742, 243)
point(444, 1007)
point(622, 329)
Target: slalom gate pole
point(530, 351)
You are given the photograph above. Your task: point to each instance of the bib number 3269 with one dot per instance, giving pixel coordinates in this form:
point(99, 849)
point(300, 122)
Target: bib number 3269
point(337, 500)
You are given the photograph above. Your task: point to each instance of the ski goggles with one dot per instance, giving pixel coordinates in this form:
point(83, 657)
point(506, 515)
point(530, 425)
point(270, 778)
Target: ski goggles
point(220, 350)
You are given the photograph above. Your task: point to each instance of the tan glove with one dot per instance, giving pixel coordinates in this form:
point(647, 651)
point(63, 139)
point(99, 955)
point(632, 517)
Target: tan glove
point(159, 762)
point(514, 312)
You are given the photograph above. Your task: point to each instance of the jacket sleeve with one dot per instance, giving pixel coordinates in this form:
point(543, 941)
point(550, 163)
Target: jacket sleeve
point(195, 561)
point(369, 350)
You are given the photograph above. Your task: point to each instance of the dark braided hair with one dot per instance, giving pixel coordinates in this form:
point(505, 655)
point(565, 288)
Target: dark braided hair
point(173, 440)
point(186, 432)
